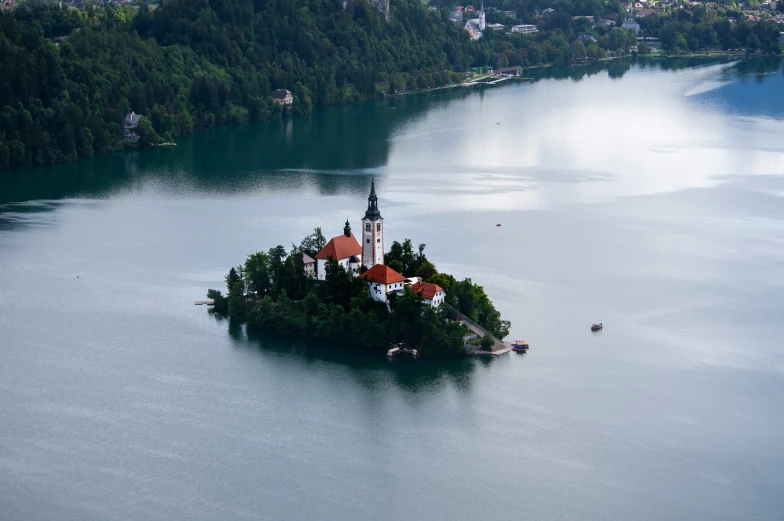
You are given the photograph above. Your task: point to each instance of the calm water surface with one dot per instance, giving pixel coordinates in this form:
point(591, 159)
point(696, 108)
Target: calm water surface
point(646, 196)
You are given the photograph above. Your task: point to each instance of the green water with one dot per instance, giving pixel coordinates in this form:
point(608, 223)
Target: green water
point(646, 196)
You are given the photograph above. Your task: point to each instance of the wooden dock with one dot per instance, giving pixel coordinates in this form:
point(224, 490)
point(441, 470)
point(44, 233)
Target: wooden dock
point(205, 302)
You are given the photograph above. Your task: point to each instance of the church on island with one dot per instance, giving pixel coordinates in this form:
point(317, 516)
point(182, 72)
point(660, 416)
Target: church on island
point(366, 260)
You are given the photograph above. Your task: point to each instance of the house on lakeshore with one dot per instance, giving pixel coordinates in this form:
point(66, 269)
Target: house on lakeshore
point(283, 97)
point(383, 280)
point(653, 43)
point(129, 125)
point(508, 71)
point(344, 249)
point(432, 294)
point(309, 266)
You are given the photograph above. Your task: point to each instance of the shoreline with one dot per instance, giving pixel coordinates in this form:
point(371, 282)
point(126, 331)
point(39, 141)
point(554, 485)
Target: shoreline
point(126, 146)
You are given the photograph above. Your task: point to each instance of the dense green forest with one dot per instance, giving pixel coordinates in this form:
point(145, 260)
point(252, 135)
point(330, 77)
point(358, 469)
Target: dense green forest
point(271, 294)
point(68, 76)
point(197, 63)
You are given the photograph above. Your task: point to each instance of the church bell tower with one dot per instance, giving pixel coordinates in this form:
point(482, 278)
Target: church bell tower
point(372, 232)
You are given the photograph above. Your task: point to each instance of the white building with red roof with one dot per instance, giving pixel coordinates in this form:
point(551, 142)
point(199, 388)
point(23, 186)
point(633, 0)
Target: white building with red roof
point(344, 249)
point(432, 294)
point(383, 280)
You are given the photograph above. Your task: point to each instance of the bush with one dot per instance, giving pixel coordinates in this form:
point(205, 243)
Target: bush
point(487, 343)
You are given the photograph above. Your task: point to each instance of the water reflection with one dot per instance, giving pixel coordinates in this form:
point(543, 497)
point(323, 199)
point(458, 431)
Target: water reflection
point(324, 152)
point(370, 370)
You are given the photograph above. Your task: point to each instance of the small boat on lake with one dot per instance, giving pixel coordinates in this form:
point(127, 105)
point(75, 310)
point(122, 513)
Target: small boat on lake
point(393, 352)
point(499, 224)
point(520, 346)
point(596, 327)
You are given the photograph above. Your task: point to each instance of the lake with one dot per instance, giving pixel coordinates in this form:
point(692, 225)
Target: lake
point(645, 195)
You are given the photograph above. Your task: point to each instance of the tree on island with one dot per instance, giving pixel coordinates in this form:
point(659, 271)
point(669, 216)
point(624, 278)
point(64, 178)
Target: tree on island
point(313, 243)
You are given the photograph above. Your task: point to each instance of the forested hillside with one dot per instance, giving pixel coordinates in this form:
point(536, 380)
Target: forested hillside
point(196, 63)
point(69, 76)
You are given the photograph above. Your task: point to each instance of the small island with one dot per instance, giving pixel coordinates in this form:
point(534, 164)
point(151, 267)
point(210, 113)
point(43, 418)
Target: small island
point(350, 293)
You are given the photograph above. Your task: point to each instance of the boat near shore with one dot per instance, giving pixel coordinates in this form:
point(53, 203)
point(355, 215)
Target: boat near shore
point(596, 327)
point(397, 351)
point(519, 346)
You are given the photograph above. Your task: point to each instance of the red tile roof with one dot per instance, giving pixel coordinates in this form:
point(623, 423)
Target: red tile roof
point(340, 247)
point(427, 289)
point(383, 275)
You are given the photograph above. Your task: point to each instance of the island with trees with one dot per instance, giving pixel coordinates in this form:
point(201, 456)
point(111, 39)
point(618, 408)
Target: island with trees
point(272, 294)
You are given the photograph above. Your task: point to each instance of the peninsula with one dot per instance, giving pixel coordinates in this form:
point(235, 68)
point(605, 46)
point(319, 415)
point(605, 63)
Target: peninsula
point(347, 291)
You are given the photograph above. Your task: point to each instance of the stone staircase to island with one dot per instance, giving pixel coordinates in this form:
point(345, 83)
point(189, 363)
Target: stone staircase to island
point(498, 348)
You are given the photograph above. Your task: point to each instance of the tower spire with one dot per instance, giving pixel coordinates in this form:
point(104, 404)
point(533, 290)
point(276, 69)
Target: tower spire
point(347, 229)
point(372, 213)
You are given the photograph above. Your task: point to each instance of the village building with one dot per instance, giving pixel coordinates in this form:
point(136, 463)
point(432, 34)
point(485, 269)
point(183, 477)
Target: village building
point(282, 96)
point(344, 249)
point(653, 43)
point(129, 125)
point(475, 26)
point(524, 29)
point(309, 266)
point(511, 14)
point(432, 294)
point(515, 70)
point(631, 23)
point(496, 27)
point(383, 280)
